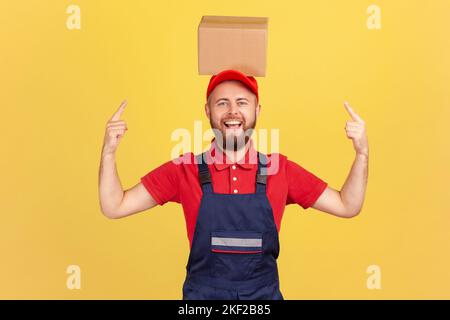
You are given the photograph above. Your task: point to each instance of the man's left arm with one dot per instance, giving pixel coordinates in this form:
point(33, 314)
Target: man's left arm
point(349, 200)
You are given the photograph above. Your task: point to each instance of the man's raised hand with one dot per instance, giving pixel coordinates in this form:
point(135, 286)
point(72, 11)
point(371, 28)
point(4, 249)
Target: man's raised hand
point(115, 130)
point(356, 130)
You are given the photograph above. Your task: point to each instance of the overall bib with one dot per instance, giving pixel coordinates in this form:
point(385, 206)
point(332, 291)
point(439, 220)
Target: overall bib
point(235, 244)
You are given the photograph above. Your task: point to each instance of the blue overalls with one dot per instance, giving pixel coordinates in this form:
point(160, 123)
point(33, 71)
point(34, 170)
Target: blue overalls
point(235, 244)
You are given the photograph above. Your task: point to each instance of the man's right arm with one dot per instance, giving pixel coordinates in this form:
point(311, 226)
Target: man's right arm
point(114, 202)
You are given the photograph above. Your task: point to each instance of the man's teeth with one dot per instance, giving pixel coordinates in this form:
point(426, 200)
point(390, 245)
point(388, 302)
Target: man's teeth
point(231, 123)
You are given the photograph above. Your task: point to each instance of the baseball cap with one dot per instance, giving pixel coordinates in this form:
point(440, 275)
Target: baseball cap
point(248, 81)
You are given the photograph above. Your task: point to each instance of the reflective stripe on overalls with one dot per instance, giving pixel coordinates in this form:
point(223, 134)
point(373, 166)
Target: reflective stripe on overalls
point(235, 243)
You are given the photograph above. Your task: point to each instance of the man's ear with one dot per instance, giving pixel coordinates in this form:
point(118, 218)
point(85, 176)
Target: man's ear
point(258, 109)
point(207, 111)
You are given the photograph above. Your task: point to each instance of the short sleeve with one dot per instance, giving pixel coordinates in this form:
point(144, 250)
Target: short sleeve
point(304, 188)
point(162, 183)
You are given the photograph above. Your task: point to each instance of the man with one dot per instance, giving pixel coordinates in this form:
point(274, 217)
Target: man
point(233, 205)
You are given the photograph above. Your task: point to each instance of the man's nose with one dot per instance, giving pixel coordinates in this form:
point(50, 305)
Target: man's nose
point(234, 108)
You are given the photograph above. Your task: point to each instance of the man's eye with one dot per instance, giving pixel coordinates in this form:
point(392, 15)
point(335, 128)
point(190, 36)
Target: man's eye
point(243, 102)
point(221, 103)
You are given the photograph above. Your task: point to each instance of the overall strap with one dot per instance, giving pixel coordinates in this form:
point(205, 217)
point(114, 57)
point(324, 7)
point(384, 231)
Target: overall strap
point(203, 173)
point(261, 175)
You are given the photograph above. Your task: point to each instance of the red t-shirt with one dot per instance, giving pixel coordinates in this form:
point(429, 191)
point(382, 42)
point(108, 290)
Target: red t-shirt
point(177, 181)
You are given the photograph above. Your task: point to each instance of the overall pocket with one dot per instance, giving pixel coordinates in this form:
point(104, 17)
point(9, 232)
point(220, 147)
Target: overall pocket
point(236, 254)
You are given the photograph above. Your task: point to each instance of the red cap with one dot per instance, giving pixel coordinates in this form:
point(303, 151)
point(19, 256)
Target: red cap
point(248, 81)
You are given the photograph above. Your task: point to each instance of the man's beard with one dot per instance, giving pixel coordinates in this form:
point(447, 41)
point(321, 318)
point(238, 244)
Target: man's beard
point(232, 142)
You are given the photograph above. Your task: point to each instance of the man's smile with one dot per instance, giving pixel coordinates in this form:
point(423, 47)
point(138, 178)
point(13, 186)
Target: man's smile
point(233, 123)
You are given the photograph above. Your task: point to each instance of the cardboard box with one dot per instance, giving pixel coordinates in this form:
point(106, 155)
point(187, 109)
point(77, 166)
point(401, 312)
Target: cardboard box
point(232, 43)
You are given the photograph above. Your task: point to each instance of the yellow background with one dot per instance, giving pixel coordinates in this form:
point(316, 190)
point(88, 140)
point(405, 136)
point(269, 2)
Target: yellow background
point(59, 87)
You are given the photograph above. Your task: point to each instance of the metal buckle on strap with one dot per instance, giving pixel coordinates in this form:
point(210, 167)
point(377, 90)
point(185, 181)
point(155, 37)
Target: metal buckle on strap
point(262, 179)
point(261, 176)
point(204, 177)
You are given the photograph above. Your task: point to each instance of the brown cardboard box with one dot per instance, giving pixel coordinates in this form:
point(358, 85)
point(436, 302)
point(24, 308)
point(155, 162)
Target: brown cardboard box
point(232, 43)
